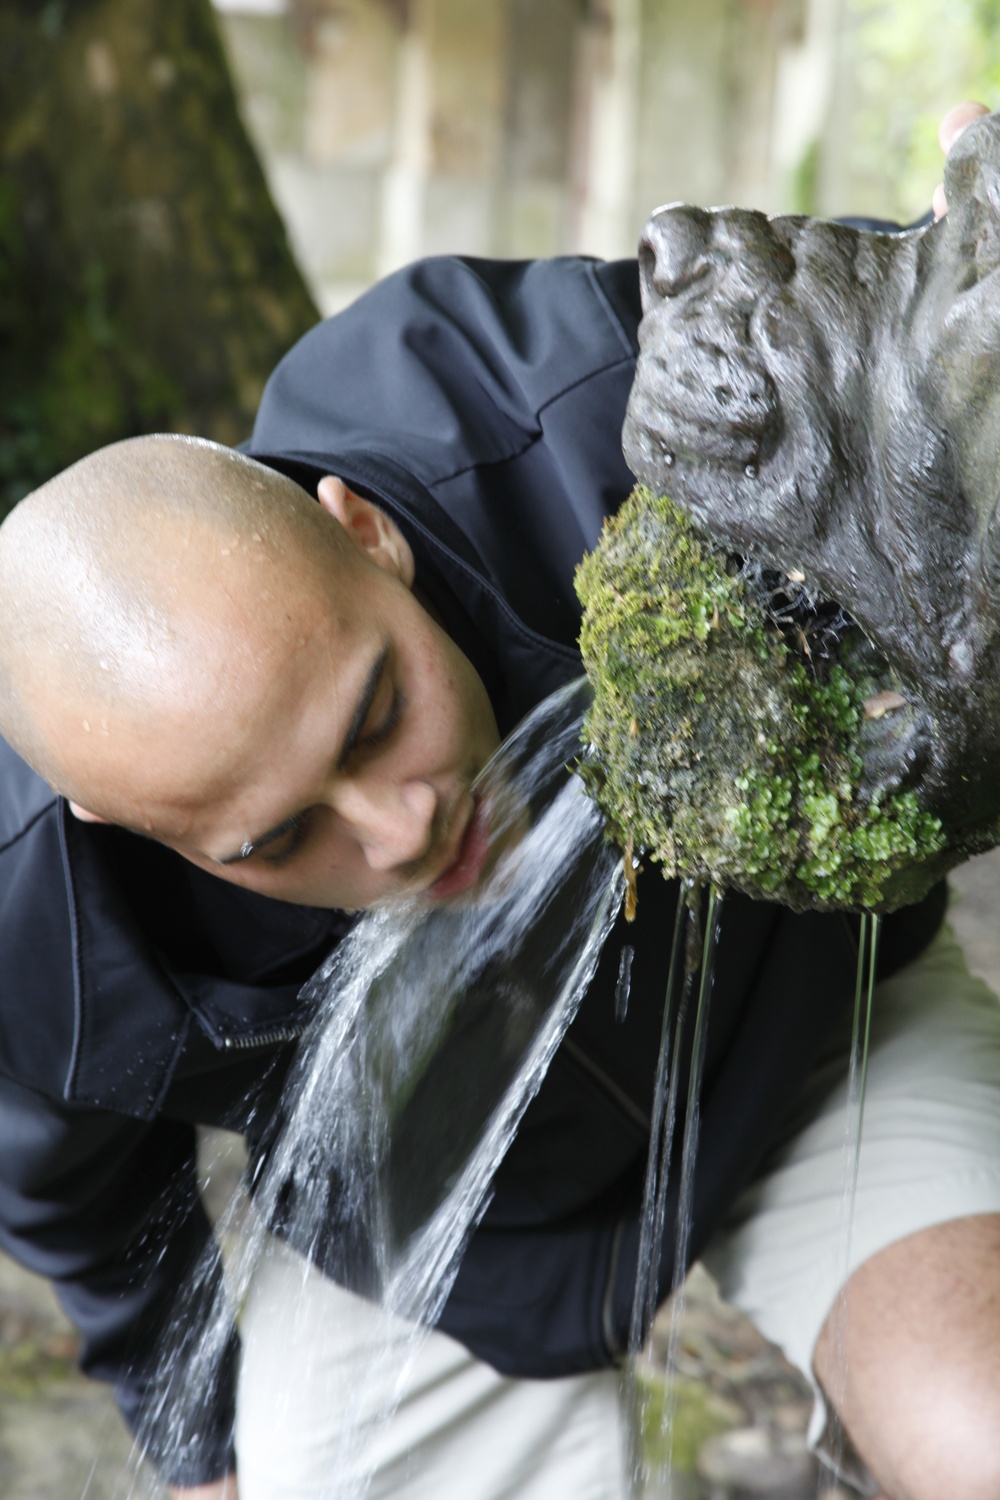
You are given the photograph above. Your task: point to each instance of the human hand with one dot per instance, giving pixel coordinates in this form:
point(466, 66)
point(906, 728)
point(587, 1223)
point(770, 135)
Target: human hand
point(222, 1489)
point(949, 130)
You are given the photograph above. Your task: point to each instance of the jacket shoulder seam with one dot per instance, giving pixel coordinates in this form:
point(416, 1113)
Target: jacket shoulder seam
point(534, 437)
point(611, 364)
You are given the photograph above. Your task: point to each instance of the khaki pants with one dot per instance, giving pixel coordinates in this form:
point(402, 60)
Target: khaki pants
point(461, 1431)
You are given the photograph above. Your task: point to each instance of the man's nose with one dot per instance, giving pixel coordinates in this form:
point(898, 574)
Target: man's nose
point(392, 821)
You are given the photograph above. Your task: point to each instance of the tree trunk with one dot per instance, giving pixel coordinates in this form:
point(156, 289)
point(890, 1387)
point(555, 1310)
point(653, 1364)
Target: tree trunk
point(146, 282)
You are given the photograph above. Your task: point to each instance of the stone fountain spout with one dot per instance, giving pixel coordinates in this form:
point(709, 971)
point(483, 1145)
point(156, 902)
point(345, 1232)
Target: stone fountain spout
point(822, 406)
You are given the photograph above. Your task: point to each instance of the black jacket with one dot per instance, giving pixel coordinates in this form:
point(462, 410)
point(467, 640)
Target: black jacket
point(480, 403)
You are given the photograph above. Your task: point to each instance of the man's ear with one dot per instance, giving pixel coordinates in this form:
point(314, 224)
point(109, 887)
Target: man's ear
point(85, 815)
point(370, 529)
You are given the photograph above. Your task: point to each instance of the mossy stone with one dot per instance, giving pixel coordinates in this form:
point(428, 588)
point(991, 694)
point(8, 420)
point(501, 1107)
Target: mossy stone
point(717, 748)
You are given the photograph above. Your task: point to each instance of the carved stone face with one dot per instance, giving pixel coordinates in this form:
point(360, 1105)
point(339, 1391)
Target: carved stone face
point(827, 401)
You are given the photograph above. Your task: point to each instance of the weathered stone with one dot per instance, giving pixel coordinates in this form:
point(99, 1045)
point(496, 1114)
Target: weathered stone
point(723, 749)
point(826, 402)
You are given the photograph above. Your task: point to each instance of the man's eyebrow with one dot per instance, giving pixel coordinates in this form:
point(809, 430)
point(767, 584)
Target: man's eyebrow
point(364, 703)
point(360, 714)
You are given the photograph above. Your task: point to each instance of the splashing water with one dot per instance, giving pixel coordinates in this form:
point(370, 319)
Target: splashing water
point(434, 1028)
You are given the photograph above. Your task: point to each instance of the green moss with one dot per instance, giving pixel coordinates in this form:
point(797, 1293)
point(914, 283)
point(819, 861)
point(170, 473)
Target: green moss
point(32, 1364)
point(717, 748)
point(146, 282)
point(697, 1414)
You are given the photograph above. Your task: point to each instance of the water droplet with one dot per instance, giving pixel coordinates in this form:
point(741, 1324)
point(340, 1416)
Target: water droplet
point(668, 459)
point(751, 471)
point(624, 985)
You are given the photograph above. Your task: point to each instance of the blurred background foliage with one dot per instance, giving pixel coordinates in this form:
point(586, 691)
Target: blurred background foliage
point(145, 278)
point(906, 61)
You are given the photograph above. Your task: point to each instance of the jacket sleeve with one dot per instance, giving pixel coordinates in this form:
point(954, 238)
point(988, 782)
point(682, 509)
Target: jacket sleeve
point(107, 1208)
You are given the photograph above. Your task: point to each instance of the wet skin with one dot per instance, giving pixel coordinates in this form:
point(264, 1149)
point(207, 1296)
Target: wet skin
point(328, 737)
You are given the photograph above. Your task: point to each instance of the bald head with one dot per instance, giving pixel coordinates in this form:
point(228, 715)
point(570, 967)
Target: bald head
point(136, 587)
point(192, 647)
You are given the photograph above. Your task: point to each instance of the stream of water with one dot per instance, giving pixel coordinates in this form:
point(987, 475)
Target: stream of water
point(674, 1061)
point(434, 1028)
point(661, 1137)
point(695, 943)
point(854, 1114)
point(689, 1148)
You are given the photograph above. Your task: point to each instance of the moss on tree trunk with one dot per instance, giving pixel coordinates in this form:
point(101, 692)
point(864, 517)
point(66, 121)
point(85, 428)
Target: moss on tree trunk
point(145, 277)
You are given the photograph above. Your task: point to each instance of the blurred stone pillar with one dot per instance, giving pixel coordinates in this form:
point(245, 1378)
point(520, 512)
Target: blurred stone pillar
point(605, 126)
point(707, 76)
point(541, 54)
point(404, 183)
point(328, 156)
point(442, 184)
point(807, 73)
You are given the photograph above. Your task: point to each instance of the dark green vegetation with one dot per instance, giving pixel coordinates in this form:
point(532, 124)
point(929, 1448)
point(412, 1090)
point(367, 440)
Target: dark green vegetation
point(720, 750)
point(145, 279)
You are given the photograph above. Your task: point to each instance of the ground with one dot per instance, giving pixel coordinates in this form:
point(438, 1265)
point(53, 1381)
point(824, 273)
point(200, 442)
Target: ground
point(742, 1410)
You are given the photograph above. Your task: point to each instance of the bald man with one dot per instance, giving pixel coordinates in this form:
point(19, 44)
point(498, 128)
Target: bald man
point(245, 697)
point(195, 650)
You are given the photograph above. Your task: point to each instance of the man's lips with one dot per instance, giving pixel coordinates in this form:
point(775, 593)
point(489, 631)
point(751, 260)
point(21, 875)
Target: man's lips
point(467, 866)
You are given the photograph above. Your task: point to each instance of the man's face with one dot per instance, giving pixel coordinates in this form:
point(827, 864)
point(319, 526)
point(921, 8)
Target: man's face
point(327, 749)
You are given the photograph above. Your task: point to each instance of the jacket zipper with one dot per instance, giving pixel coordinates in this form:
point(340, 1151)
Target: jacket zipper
point(280, 1034)
point(263, 1038)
